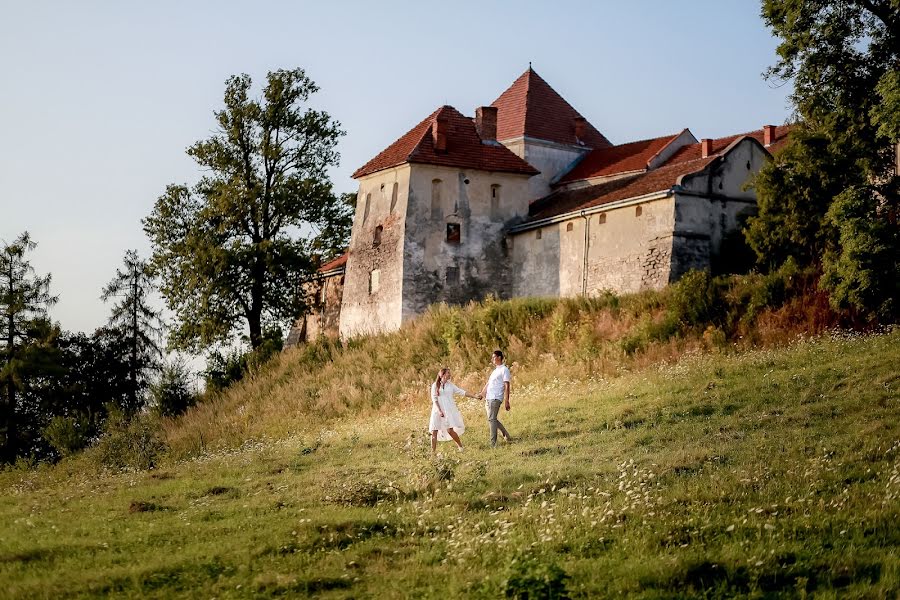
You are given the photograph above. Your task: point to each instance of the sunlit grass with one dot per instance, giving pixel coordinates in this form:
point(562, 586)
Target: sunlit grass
point(769, 472)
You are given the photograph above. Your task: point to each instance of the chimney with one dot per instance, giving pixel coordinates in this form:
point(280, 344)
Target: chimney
point(768, 135)
point(705, 147)
point(580, 128)
point(439, 132)
point(486, 123)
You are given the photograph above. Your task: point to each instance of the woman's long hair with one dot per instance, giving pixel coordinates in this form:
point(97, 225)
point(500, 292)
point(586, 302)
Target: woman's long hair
point(437, 380)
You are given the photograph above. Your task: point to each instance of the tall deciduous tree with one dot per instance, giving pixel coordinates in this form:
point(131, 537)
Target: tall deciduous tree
point(833, 199)
point(231, 251)
point(140, 324)
point(24, 300)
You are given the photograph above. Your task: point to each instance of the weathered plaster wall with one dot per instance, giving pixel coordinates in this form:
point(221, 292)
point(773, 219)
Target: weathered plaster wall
point(324, 296)
point(364, 310)
point(435, 270)
point(626, 252)
point(710, 205)
point(548, 158)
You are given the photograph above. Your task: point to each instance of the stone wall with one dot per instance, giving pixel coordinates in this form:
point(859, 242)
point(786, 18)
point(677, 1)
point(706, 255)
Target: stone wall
point(549, 158)
point(324, 296)
point(627, 252)
point(373, 284)
point(481, 205)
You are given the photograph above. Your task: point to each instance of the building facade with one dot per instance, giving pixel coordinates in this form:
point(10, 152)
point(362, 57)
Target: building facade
point(528, 198)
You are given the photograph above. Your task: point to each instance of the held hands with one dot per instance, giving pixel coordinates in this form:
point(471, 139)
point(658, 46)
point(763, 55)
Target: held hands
point(479, 396)
point(507, 407)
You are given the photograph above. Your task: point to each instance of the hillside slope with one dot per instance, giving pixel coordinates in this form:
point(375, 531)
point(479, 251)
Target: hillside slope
point(760, 473)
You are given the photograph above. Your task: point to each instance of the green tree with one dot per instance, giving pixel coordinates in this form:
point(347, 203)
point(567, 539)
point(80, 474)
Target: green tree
point(140, 324)
point(842, 57)
point(24, 300)
point(229, 251)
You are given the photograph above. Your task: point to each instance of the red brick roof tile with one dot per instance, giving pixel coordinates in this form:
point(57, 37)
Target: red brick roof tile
point(334, 263)
point(692, 151)
point(530, 107)
point(464, 149)
point(623, 158)
point(657, 180)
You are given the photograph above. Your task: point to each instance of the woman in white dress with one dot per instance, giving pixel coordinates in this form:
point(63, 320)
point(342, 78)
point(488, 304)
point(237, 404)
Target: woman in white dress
point(446, 420)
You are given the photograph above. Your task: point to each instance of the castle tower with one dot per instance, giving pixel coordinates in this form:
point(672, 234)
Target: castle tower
point(539, 126)
point(430, 218)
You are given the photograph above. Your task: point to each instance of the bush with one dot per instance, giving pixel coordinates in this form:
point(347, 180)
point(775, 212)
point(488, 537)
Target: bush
point(172, 394)
point(226, 369)
point(68, 435)
point(135, 443)
point(532, 577)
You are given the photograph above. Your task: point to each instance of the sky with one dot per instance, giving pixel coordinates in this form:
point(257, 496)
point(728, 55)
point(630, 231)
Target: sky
point(99, 100)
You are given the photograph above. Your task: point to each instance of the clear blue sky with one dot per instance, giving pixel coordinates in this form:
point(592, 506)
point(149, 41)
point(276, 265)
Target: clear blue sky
point(99, 100)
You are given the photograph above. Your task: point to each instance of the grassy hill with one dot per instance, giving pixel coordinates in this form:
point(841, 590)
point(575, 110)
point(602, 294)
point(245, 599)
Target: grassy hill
point(729, 472)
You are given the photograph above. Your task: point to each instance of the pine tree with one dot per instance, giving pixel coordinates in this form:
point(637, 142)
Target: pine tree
point(140, 324)
point(24, 300)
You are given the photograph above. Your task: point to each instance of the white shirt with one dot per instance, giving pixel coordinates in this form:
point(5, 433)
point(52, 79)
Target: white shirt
point(495, 386)
point(448, 390)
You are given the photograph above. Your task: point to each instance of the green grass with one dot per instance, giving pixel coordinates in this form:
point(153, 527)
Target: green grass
point(766, 473)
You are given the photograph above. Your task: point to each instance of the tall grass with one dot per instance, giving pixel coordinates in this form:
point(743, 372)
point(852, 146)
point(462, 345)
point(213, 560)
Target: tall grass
point(598, 337)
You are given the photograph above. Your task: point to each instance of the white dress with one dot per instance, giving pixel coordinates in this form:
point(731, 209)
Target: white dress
point(452, 417)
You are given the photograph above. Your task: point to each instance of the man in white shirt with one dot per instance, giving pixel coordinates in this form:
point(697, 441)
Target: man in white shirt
point(495, 391)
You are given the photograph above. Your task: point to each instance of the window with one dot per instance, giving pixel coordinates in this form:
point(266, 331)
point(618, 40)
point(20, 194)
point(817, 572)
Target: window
point(376, 240)
point(495, 201)
point(539, 234)
point(394, 196)
point(638, 210)
point(453, 233)
point(601, 218)
point(366, 207)
point(569, 226)
point(436, 198)
point(374, 280)
point(452, 275)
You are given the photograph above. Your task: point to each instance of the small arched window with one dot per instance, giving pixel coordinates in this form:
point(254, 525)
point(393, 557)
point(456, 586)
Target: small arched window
point(601, 218)
point(638, 211)
point(394, 191)
point(453, 233)
point(570, 226)
point(376, 240)
point(366, 207)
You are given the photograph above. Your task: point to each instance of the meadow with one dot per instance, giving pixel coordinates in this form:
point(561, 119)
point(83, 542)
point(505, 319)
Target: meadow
point(731, 471)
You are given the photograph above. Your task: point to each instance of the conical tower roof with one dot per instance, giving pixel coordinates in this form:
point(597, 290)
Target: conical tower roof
point(531, 108)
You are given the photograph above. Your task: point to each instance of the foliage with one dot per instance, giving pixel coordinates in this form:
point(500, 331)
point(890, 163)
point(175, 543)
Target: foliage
point(134, 442)
point(226, 250)
point(139, 323)
point(171, 394)
point(793, 193)
point(862, 273)
point(68, 435)
point(226, 367)
point(534, 577)
point(24, 300)
point(842, 57)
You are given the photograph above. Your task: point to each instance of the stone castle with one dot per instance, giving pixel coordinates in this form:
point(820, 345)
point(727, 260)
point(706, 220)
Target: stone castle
point(528, 198)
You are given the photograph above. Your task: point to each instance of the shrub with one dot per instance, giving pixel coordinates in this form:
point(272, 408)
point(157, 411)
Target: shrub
point(531, 577)
point(68, 435)
point(171, 394)
point(135, 443)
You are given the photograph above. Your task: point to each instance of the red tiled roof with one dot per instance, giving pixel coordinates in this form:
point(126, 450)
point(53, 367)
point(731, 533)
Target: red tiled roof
point(464, 149)
point(657, 180)
point(623, 158)
point(334, 263)
point(692, 151)
point(530, 107)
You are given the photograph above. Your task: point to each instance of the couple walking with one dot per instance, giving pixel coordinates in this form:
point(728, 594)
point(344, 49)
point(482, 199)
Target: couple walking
point(446, 420)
